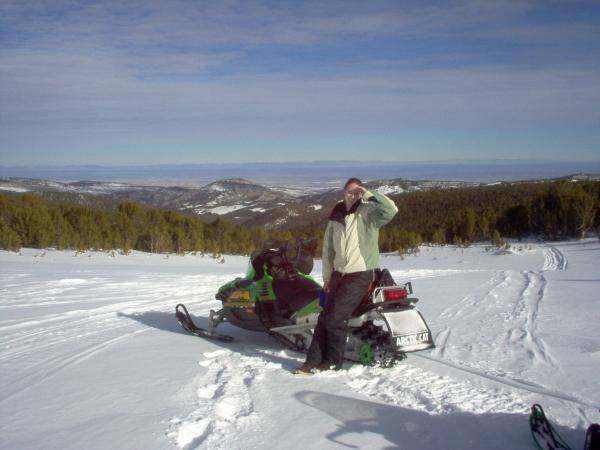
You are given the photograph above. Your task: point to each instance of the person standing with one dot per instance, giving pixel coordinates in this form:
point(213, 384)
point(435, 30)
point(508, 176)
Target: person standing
point(350, 255)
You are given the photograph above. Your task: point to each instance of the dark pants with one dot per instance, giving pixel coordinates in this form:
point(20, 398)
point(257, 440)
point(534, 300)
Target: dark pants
point(329, 338)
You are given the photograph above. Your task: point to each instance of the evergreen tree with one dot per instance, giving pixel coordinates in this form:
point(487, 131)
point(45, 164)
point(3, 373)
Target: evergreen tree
point(583, 207)
point(518, 220)
point(9, 238)
point(438, 237)
point(408, 242)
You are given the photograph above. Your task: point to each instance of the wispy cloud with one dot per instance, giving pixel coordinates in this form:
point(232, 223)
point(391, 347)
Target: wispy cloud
point(74, 69)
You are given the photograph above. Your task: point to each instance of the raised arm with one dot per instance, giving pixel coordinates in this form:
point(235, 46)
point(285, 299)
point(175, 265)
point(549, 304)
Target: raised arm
point(382, 208)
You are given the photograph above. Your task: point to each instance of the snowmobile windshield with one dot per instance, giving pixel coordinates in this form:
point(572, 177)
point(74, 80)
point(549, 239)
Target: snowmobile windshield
point(250, 273)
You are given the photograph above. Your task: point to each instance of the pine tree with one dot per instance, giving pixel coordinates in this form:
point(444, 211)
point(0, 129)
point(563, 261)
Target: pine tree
point(9, 238)
point(583, 211)
point(439, 237)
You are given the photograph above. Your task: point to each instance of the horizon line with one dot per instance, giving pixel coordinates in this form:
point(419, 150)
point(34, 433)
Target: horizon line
point(276, 163)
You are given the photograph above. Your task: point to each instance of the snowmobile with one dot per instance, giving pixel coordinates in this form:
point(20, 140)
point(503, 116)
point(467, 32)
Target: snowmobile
point(278, 296)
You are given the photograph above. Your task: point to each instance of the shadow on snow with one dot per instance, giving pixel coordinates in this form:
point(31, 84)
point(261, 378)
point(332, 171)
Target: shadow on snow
point(411, 429)
point(249, 343)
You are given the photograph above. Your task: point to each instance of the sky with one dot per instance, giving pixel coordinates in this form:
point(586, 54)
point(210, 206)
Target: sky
point(178, 82)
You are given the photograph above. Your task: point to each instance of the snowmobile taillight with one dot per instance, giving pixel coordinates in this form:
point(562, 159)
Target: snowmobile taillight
point(394, 294)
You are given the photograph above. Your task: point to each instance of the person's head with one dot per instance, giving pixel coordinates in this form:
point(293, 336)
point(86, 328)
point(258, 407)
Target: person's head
point(352, 191)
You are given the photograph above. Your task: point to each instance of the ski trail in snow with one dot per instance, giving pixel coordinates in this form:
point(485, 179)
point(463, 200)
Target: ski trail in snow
point(467, 304)
point(59, 363)
point(33, 351)
point(554, 259)
point(413, 387)
point(519, 384)
point(463, 327)
point(532, 297)
point(496, 325)
point(46, 332)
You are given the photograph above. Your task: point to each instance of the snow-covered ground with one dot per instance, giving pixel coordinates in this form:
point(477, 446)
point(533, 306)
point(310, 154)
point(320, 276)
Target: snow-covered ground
point(92, 357)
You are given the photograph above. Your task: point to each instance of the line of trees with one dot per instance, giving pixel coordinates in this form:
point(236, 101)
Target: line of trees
point(28, 220)
point(557, 210)
point(461, 216)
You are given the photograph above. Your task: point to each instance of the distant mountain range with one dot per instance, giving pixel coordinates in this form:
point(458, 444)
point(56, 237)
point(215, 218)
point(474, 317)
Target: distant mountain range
point(238, 200)
point(308, 175)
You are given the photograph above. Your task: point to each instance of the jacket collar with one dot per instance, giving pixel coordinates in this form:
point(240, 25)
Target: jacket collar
point(339, 212)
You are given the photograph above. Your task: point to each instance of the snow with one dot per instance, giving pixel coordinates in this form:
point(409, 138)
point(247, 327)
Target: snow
point(13, 188)
point(217, 187)
point(102, 188)
point(220, 210)
point(387, 189)
point(91, 356)
point(316, 207)
point(225, 209)
point(86, 188)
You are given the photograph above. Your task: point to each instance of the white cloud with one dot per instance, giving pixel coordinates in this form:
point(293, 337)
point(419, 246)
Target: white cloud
point(63, 88)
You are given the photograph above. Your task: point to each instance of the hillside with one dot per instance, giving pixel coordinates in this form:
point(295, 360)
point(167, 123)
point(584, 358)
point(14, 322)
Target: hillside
point(237, 200)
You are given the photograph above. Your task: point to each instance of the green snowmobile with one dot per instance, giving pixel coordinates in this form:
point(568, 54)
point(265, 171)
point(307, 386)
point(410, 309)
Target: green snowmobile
point(278, 296)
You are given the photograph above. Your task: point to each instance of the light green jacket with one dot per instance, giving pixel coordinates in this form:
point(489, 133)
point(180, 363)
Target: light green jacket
point(351, 242)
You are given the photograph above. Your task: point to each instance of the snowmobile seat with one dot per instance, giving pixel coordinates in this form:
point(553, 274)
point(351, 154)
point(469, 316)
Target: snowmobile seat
point(381, 277)
point(242, 282)
point(295, 293)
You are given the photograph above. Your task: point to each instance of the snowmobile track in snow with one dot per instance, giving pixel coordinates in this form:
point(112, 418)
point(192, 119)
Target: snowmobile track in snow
point(532, 296)
point(54, 365)
point(519, 384)
point(41, 343)
point(507, 303)
point(554, 259)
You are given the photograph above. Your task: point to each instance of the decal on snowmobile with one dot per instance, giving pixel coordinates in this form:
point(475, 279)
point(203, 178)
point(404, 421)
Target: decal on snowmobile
point(412, 339)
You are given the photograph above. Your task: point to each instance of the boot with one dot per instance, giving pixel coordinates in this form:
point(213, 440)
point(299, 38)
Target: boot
point(305, 369)
point(325, 365)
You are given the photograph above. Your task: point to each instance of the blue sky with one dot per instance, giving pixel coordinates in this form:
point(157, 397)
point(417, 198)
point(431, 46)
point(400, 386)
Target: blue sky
point(153, 82)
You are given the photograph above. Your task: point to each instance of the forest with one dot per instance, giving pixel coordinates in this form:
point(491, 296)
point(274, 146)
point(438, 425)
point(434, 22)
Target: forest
point(462, 216)
point(27, 220)
point(546, 210)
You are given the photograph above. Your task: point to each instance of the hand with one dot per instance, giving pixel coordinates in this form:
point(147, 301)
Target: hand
point(355, 193)
point(326, 286)
point(358, 191)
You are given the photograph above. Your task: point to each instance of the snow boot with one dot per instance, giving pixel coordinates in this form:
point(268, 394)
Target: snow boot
point(305, 369)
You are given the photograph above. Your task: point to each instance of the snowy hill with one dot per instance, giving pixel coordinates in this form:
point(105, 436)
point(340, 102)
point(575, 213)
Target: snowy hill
point(92, 357)
point(238, 200)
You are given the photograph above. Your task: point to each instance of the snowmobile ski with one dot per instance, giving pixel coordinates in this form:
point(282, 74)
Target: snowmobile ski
point(185, 320)
point(544, 434)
